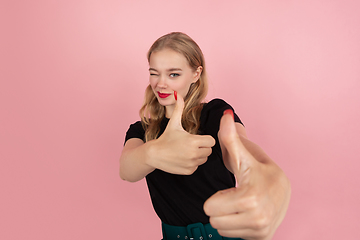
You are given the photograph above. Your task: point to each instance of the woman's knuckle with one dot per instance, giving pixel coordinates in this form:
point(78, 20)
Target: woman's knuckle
point(262, 222)
point(251, 202)
point(190, 170)
point(263, 232)
point(214, 223)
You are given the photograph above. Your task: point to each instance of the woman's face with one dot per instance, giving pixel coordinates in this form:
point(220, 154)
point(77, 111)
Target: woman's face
point(169, 72)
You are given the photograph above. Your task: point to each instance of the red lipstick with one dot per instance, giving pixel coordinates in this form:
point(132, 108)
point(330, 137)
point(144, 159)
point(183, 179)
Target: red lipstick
point(163, 95)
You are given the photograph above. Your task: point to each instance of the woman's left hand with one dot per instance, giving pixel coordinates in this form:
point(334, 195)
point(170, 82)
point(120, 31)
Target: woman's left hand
point(256, 207)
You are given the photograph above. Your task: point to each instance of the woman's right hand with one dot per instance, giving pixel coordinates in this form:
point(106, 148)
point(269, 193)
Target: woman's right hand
point(177, 151)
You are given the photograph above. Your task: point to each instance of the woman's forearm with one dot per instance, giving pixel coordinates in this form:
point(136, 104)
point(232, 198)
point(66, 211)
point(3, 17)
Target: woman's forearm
point(133, 160)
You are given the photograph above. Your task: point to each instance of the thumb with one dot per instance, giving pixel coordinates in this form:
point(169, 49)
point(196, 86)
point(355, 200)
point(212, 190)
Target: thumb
point(235, 155)
point(175, 120)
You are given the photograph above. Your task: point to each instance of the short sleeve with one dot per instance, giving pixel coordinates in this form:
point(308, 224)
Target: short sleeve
point(135, 131)
point(211, 115)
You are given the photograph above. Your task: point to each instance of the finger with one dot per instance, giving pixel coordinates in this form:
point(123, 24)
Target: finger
point(236, 221)
point(230, 140)
point(175, 120)
point(204, 152)
point(211, 205)
point(243, 225)
point(204, 141)
point(235, 152)
point(201, 161)
point(214, 206)
point(246, 233)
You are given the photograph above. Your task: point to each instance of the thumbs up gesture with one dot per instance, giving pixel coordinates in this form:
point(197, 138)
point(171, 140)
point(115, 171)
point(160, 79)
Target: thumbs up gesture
point(256, 207)
point(178, 151)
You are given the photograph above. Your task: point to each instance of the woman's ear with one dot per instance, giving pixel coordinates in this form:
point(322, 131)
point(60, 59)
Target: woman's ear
point(197, 73)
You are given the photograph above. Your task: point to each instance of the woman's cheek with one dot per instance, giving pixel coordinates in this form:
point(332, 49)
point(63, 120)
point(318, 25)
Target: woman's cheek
point(180, 88)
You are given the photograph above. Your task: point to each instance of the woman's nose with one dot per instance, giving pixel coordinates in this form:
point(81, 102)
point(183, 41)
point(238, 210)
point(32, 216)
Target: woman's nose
point(162, 82)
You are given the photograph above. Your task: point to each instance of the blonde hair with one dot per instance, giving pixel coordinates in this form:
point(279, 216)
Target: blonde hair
point(152, 113)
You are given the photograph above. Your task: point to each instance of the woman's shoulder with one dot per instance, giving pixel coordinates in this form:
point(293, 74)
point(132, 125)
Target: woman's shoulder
point(213, 111)
point(216, 104)
point(136, 125)
point(135, 130)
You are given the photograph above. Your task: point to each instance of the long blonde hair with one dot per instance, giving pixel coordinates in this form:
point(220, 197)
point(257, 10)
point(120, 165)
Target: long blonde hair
point(152, 113)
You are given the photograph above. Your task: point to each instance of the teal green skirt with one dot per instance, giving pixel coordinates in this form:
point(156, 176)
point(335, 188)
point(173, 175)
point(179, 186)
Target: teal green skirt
point(196, 231)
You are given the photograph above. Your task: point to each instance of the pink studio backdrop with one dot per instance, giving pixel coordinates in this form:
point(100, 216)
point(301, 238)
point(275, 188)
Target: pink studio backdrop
point(73, 74)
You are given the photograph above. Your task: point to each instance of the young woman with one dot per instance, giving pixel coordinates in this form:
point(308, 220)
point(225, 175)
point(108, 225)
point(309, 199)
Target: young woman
point(190, 151)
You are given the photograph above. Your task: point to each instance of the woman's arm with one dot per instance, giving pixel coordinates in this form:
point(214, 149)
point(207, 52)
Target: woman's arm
point(133, 160)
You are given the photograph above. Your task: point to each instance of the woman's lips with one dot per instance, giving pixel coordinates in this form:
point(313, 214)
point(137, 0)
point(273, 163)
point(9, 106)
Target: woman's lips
point(163, 95)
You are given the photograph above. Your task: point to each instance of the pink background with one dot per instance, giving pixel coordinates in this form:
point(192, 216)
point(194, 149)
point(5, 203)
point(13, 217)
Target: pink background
point(73, 74)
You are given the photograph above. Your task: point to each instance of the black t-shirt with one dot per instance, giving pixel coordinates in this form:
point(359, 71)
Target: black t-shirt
point(178, 199)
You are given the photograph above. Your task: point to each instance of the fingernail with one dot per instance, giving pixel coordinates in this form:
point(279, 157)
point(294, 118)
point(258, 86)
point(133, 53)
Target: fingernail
point(175, 95)
point(229, 111)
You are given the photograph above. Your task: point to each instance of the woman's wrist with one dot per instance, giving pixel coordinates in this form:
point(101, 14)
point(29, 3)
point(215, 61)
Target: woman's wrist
point(151, 151)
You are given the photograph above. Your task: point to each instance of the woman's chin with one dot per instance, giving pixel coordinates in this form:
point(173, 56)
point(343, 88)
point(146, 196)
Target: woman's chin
point(165, 102)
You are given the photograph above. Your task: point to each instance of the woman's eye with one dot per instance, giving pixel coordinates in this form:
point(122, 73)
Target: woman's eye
point(153, 74)
point(174, 75)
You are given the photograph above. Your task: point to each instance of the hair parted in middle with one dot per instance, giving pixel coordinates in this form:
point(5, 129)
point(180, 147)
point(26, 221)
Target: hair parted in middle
point(152, 112)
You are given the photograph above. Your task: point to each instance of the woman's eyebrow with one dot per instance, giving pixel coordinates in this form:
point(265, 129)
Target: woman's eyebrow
point(169, 70)
point(174, 69)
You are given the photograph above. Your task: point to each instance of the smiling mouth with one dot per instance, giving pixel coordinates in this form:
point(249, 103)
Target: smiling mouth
point(163, 95)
